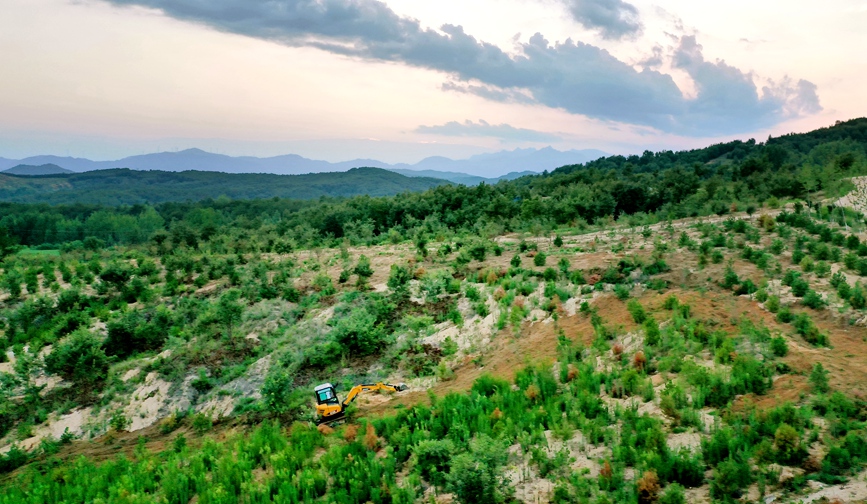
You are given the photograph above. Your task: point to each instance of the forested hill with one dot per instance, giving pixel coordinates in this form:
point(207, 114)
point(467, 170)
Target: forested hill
point(128, 187)
point(645, 189)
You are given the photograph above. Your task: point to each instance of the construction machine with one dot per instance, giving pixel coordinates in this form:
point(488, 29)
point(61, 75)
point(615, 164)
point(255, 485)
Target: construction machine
point(329, 407)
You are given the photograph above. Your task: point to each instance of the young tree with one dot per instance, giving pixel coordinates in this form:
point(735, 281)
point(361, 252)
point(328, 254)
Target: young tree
point(229, 310)
point(80, 360)
point(819, 379)
point(7, 242)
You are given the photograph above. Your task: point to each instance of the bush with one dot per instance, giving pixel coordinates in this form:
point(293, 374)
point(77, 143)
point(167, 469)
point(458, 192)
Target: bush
point(476, 477)
point(800, 287)
point(673, 494)
point(858, 300)
point(819, 379)
point(779, 346)
point(81, 360)
point(363, 268)
point(540, 259)
point(652, 335)
point(814, 300)
point(773, 304)
point(433, 459)
point(807, 329)
point(358, 332)
point(729, 479)
point(787, 442)
point(621, 291)
point(138, 331)
point(637, 311)
point(399, 278)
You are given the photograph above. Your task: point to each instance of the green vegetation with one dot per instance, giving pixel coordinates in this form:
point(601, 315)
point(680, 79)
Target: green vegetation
point(653, 349)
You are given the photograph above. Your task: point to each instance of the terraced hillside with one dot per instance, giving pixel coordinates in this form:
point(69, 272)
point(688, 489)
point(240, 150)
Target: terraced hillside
point(671, 327)
point(697, 359)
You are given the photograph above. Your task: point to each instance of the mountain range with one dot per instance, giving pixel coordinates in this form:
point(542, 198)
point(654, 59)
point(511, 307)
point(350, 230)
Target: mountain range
point(487, 168)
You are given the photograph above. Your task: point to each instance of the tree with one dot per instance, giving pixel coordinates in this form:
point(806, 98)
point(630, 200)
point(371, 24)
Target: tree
point(7, 242)
point(399, 279)
point(362, 268)
point(116, 274)
point(81, 360)
point(358, 333)
point(229, 310)
point(819, 379)
point(421, 245)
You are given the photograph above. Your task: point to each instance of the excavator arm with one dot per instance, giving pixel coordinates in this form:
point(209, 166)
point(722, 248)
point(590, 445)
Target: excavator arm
point(371, 387)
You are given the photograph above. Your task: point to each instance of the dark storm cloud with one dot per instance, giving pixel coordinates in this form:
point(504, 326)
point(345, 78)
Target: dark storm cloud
point(615, 19)
point(576, 77)
point(485, 129)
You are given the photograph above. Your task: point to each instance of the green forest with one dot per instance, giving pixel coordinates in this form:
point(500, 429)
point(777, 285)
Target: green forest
point(671, 327)
point(123, 186)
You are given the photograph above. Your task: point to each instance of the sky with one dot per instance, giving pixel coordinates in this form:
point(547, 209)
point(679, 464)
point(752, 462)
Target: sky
point(400, 80)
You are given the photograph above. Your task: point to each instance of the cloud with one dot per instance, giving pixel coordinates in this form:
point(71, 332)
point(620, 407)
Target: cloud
point(728, 97)
point(485, 129)
point(615, 19)
point(576, 77)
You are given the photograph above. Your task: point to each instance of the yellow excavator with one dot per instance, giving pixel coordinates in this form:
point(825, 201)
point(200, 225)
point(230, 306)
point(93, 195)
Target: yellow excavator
point(329, 407)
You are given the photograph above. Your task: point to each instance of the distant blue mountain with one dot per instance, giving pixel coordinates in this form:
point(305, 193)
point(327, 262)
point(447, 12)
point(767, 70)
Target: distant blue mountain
point(480, 168)
point(32, 170)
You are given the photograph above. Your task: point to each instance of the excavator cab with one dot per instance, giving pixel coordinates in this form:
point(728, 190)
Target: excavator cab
point(325, 394)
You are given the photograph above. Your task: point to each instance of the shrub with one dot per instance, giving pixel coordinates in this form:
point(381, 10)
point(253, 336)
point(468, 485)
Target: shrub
point(81, 360)
point(399, 278)
point(637, 311)
point(773, 304)
point(779, 347)
point(652, 334)
point(800, 287)
point(477, 251)
point(358, 332)
point(621, 291)
point(673, 494)
point(648, 487)
point(516, 261)
point(671, 303)
point(787, 442)
point(807, 329)
point(201, 423)
point(819, 379)
point(477, 476)
point(814, 300)
point(550, 274)
point(363, 268)
point(540, 259)
point(433, 459)
point(729, 479)
point(858, 300)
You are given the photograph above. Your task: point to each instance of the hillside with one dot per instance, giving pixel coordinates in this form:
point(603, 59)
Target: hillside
point(129, 187)
point(30, 170)
point(671, 327)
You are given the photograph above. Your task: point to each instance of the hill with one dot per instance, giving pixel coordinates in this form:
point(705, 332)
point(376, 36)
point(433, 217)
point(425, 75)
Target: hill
point(128, 187)
point(672, 327)
point(486, 166)
point(31, 170)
